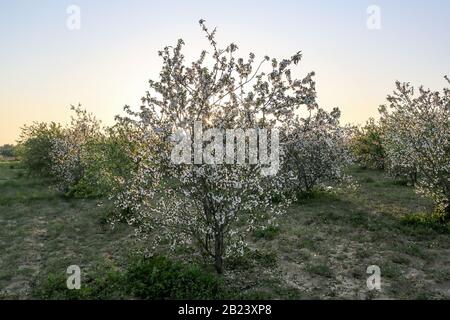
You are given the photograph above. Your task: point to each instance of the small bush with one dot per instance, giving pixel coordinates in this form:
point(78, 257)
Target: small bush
point(268, 234)
point(89, 161)
point(317, 194)
point(70, 152)
point(35, 145)
point(401, 182)
point(367, 146)
point(145, 278)
point(108, 284)
point(7, 151)
point(427, 221)
point(161, 278)
point(105, 160)
point(251, 259)
point(319, 269)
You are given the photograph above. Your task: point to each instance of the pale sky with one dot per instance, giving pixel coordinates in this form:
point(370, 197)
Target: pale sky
point(45, 67)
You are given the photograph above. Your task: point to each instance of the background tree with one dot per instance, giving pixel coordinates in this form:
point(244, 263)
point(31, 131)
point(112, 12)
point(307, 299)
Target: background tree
point(316, 151)
point(35, 145)
point(368, 146)
point(8, 151)
point(73, 152)
point(418, 136)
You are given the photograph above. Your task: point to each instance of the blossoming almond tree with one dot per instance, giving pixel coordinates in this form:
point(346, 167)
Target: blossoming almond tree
point(418, 136)
point(206, 203)
point(317, 151)
point(70, 151)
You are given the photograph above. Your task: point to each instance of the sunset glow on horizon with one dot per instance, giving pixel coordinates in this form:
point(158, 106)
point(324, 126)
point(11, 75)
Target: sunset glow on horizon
point(45, 67)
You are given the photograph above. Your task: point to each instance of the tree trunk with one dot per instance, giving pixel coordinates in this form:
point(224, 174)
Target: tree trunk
point(218, 264)
point(218, 252)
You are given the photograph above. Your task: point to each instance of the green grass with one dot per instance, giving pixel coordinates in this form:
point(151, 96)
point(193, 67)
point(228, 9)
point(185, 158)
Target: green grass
point(320, 249)
point(269, 233)
point(319, 269)
point(327, 243)
point(43, 232)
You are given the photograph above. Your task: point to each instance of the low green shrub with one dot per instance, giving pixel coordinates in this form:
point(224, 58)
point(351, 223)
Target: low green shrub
point(161, 278)
point(268, 233)
point(94, 286)
point(8, 151)
point(157, 278)
point(251, 259)
point(427, 221)
point(368, 147)
point(35, 145)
